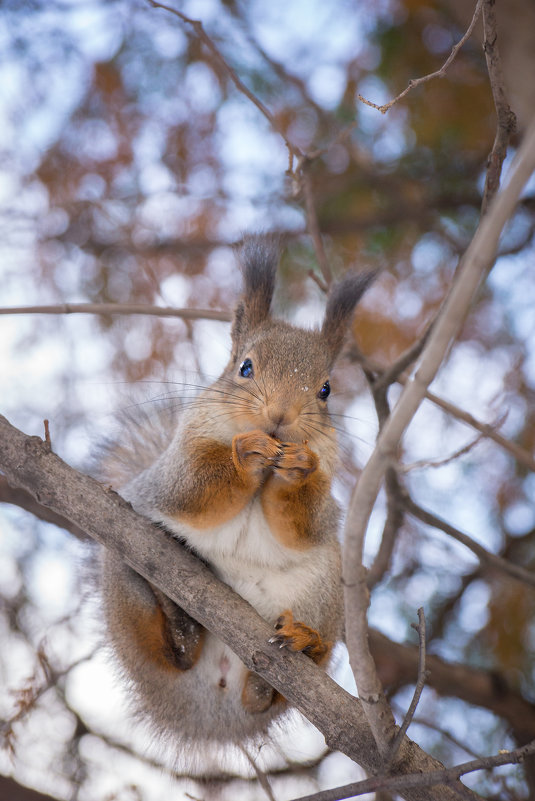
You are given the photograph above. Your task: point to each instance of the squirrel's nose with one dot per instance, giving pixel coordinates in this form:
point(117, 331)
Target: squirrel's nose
point(279, 416)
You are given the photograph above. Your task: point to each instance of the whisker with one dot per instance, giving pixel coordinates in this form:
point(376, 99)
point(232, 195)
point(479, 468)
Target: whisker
point(307, 428)
point(245, 387)
point(346, 417)
point(339, 429)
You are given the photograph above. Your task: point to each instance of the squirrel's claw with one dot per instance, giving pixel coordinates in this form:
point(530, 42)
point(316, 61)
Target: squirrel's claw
point(280, 639)
point(299, 637)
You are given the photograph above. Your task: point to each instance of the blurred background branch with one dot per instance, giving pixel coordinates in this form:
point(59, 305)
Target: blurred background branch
point(132, 161)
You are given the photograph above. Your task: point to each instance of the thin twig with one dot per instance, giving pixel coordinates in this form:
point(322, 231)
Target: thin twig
point(442, 777)
point(520, 454)
point(280, 70)
point(214, 50)
point(342, 135)
point(513, 550)
point(48, 441)
point(432, 724)
point(322, 285)
point(420, 684)
point(260, 775)
point(312, 220)
point(506, 124)
point(441, 615)
point(395, 507)
point(488, 558)
point(425, 463)
point(26, 697)
point(437, 74)
point(404, 361)
point(120, 308)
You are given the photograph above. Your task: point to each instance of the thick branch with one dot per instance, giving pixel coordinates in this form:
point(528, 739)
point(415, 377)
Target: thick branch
point(25, 500)
point(11, 789)
point(27, 462)
point(476, 264)
point(375, 705)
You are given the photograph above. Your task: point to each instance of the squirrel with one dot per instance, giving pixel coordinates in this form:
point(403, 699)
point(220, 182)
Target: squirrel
point(244, 481)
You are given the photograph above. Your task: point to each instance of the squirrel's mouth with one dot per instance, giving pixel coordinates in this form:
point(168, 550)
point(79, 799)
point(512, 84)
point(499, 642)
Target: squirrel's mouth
point(284, 434)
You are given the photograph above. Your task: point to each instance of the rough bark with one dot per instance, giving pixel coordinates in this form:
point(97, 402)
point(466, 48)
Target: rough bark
point(28, 462)
point(10, 790)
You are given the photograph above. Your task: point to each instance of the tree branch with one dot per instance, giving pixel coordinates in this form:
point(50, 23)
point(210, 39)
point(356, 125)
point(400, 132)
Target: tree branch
point(475, 265)
point(29, 463)
point(375, 705)
point(303, 171)
point(397, 664)
point(25, 500)
point(9, 788)
point(399, 783)
point(440, 73)
point(487, 429)
point(485, 557)
point(520, 454)
point(420, 684)
point(506, 118)
point(121, 308)
point(209, 43)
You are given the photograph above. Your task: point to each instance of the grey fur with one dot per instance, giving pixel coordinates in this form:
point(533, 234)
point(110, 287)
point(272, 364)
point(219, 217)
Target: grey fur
point(158, 474)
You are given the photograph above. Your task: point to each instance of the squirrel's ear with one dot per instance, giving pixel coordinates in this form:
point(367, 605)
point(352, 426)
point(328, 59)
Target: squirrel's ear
point(341, 302)
point(259, 257)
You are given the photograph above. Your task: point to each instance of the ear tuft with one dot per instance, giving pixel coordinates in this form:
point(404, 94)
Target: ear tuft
point(259, 257)
point(341, 302)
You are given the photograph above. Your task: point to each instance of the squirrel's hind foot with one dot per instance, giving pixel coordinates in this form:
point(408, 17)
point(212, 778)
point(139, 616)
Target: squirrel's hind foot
point(182, 636)
point(257, 695)
point(299, 637)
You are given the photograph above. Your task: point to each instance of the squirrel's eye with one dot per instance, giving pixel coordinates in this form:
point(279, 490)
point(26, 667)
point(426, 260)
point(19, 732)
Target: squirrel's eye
point(246, 368)
point(325, 391)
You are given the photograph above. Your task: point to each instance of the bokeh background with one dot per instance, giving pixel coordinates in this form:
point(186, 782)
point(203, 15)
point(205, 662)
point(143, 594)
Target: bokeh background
point(130, 164)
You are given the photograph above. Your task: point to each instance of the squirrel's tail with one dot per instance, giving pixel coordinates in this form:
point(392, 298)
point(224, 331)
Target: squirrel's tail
point(145, 433)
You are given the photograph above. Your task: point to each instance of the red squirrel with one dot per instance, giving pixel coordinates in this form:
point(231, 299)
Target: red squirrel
point(244, 478)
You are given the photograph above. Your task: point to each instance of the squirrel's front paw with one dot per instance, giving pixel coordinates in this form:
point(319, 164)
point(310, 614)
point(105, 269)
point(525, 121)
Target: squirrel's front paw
point(296, 463)
point(299, 637)
point(255, 452)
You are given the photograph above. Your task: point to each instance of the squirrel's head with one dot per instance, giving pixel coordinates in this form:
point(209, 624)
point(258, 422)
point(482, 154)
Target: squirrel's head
point(280, 372)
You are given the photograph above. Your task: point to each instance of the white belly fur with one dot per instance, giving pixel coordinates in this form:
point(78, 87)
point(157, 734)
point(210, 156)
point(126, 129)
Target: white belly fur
point(206, 702)
point(245, 555)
